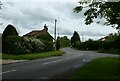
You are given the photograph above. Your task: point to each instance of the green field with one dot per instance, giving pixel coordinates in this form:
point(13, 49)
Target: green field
point(101, 68)
point(33, 55)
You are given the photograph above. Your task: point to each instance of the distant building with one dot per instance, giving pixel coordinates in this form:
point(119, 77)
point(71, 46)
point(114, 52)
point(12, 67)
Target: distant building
point(43, 34)
point(103, 39)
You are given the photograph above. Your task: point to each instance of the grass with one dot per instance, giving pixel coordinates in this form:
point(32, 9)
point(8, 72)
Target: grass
point(33, 55)
point(101, 68)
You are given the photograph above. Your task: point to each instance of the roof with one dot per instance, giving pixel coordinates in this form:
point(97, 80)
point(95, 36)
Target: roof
point(35, 33)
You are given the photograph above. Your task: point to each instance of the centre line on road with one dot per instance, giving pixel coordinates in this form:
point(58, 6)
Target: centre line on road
point(54, 61)
point(62, 59)
point(8, 71)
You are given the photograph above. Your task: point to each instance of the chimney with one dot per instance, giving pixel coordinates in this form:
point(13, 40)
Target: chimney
point(45, 28)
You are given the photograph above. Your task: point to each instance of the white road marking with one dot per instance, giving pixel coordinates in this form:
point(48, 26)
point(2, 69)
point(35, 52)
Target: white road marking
point(8, 71)
point(47, 62)
point(62, 59)
point(54, 61)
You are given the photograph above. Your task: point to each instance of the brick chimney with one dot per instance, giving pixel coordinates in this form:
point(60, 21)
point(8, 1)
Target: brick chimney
point(45, 28)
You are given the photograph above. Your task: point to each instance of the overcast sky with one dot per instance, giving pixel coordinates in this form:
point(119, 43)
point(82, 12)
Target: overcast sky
point(28, 15)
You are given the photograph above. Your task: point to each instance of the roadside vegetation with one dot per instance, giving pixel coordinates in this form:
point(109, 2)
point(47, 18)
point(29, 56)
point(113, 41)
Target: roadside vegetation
point(96, 10)
point(32, 55)
point(0, 56)
point(15, 44)
point(27, 48)
point(108, 44)
point(99, 69)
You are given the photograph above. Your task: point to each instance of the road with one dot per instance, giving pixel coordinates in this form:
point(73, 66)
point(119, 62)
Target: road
point(49, 67)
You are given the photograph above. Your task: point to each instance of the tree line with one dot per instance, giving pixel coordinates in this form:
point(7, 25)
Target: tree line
point(111, 43)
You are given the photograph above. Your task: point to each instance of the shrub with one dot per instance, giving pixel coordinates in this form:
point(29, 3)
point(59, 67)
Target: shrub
point(48, 46)
point(14, 45)
point(35, 45)
point(57, 45)
point(45, 36)
point(22, 45)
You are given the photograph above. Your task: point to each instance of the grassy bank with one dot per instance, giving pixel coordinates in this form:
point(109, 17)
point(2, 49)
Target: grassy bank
point(101, 68)
point(33, 55)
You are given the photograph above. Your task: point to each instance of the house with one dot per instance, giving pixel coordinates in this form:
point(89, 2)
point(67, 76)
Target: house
point(41, 34)
point(103, 39)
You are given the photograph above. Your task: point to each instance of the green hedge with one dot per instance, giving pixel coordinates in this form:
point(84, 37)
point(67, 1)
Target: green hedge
point(48, 46)
point(22, 45)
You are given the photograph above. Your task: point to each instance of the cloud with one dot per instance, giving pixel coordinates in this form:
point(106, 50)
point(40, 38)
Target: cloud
point(28, 16)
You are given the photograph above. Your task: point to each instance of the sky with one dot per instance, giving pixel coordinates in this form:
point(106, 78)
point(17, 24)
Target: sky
point(28, 15)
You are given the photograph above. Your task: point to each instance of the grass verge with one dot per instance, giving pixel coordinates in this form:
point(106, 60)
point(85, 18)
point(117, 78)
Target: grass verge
point(33, 55)
point(101, 68)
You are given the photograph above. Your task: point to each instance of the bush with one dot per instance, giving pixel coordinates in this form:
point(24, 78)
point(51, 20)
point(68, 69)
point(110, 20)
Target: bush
point(57, 45)
point(48, 46)
point(35, 45)
point(80, 45)
point(14, 45)
point(45, 36)
point(22, 45)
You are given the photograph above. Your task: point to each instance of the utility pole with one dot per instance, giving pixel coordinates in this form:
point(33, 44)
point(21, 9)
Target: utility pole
point(55, 29)
point(82, 38)
point(55, 33)
point(0, 13)
point(0, 26)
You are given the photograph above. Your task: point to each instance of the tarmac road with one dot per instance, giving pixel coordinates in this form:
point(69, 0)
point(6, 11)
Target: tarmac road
point(49, 67)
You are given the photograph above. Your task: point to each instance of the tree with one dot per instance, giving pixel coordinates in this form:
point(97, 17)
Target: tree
point(108, 10)
point(9, 31)
point(64, 41)
point(75, 38)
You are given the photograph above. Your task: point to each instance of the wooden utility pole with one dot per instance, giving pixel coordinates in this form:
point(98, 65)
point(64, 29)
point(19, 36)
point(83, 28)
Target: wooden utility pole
point(1, 13)
point(55, 33)
point(55, 29)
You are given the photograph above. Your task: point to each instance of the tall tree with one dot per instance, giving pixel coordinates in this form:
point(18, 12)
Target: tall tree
point(75, 38)
point(9, 30)
point(108, 10)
